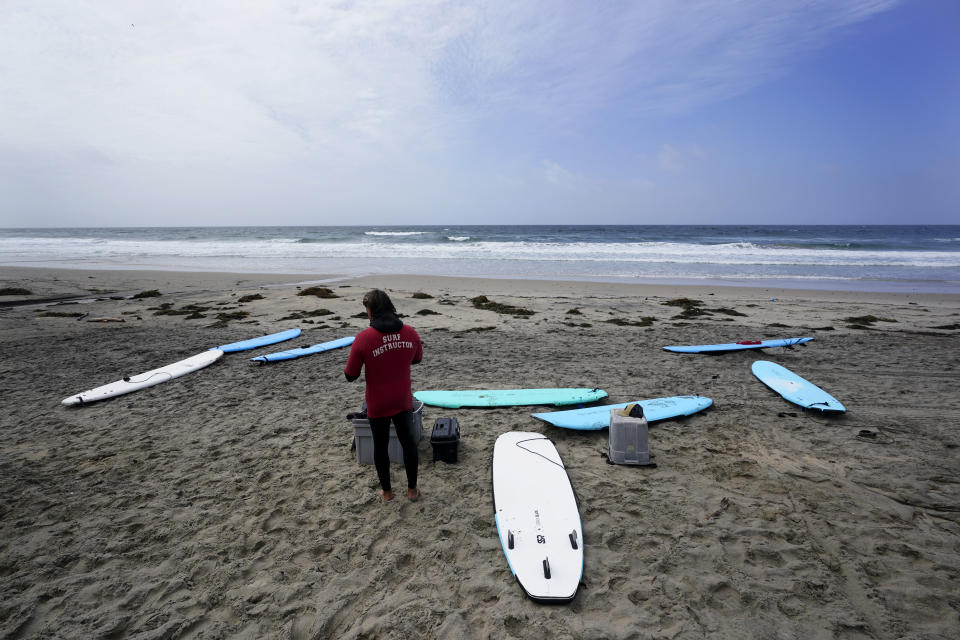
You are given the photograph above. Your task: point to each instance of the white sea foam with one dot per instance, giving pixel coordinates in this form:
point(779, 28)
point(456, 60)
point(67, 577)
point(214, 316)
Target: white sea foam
point(737, 253)
point(394, 233)
point(387, 252)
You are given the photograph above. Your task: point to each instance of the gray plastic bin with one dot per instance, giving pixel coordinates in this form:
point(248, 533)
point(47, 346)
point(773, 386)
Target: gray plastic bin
point(629, 440)
point(363, 438)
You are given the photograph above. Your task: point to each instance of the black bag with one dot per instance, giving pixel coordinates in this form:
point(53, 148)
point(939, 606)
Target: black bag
point(445, 438)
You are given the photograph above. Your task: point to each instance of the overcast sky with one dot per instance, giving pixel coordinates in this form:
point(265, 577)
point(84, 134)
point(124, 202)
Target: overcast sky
point(241, 112)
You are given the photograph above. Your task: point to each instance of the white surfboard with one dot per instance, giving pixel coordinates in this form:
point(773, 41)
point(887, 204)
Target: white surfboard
point(737, 346)
point(537, 517)
point(146, 379)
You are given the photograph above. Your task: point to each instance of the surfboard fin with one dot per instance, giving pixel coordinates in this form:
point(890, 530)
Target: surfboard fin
point(573, 538)
point(546, 568)
point(509, 539)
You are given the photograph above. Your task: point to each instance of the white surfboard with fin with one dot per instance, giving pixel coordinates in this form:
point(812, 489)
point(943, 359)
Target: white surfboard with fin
point(147, 379)
point(537, 517)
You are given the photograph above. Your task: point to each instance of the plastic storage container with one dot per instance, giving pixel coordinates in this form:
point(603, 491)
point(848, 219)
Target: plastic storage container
point(363, 438)
point(629, 440)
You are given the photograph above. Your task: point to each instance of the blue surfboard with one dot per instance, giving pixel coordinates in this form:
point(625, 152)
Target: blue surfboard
point(794, 388)
point(736, 346)
point(596, 418)
point(262, 341)
point(508, 397)
point(305, 350)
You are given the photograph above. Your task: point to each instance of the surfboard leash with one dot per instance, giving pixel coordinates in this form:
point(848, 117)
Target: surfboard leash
point(519, 442)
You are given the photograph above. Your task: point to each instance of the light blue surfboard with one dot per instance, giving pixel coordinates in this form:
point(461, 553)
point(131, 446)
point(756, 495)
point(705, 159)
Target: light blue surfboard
point(595, 418)
point(794, 388)
point(262, 341)
point(508, 397)
point(736, 346)
point(305, 350)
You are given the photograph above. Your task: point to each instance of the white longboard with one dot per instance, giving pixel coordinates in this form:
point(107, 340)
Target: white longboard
point(537, 517)
point(146, 379)
point(737, 346)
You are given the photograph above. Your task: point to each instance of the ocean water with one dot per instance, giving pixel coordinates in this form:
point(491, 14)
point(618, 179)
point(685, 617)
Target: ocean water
point(869, 258)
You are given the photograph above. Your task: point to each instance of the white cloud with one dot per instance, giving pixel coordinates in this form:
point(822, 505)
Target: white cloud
point(677, 159)
point(651, 56)
point(332, 94)
point(669, 158)
point(228, 81)
point(557, 175)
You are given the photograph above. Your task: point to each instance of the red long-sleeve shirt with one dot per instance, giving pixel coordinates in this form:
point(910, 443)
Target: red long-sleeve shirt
point(387, 358)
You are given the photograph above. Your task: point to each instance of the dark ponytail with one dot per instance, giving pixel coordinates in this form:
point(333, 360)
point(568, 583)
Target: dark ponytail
point(378, 302)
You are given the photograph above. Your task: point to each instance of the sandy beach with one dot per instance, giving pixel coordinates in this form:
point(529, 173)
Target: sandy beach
point(228, 503)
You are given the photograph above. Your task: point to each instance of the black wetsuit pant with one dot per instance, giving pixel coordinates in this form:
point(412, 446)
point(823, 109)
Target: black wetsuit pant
point(380, 428)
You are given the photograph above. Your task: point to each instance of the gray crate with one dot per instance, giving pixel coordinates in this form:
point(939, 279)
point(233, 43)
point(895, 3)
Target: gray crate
point(363, 438)
point(629, 440)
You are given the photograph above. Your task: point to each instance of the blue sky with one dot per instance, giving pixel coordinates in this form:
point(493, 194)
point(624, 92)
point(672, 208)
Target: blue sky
point(420, 112)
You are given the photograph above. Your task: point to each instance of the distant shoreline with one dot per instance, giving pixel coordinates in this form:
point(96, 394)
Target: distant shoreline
point(309, 277)
point(915, 258)
point(70, 282)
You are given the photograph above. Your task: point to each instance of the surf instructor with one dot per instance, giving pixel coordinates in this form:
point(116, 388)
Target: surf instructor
point(387, 349)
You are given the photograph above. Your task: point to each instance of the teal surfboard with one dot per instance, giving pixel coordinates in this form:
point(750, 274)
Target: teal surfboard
point(305, 350)
point(596, 418)
point(508, 397)
point(794, 388)
point(262, 341)
point(736, 346)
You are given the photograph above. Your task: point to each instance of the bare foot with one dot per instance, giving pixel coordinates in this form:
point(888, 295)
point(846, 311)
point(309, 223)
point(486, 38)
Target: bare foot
point(413, 494)
point(386, 495)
